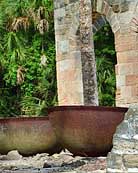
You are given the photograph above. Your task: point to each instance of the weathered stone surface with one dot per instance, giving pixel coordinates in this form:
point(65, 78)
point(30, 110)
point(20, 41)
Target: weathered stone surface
point(130, 161)
point(115, 161)
point(13, 155)
point(73, 30)
point(126, 42)
point(124, 155)
point(75, 53)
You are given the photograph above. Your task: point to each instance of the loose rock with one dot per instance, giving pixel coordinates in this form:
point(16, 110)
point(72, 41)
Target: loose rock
point(57, 163)
point(13, 155)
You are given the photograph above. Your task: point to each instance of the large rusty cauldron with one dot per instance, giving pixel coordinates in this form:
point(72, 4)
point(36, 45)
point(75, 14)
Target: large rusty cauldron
point(86, 130)
point(28, 135)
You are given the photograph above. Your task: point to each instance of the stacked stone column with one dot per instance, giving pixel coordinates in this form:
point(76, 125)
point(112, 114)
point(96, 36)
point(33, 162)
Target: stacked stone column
point(122, 15)
point(126, 43)
point(76, 73)
point(127, 68)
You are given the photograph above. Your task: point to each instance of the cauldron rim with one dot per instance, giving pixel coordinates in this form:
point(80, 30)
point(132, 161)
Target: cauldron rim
point(7, 119)
point(86, 108)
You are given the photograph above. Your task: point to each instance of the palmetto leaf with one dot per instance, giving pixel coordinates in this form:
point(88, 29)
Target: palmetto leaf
point(18, 14)
point(13, 43)
point(19, 23)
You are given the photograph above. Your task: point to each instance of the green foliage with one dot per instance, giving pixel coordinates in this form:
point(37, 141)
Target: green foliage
point(105, 60)
point(27, 57)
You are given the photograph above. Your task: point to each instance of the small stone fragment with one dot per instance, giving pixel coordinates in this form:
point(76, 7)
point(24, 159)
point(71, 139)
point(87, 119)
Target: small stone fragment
point(13, 155)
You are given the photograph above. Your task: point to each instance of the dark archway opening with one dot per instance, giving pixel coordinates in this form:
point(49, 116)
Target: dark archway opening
point(105, 62)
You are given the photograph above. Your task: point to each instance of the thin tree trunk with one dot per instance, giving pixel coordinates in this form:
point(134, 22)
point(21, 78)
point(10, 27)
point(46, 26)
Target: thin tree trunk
point(87, 54)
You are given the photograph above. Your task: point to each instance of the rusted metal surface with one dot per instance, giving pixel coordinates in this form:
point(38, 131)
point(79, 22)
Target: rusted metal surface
point(28, 135)
point(86, 130)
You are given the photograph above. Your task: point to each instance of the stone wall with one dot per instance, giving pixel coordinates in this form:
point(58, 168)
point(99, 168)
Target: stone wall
point(122, 15)
point(68, 55)
point(76, 71)
point(124, 156)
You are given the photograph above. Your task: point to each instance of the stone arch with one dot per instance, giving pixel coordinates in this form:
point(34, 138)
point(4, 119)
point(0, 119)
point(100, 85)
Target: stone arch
point(71, 33)
point(99, 20)
point(102, 12)
point(109, 10)
point(98, 23)
point(123, 18)
point(106, 11)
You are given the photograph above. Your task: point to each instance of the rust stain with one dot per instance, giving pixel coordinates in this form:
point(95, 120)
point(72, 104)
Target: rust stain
point(86, 130)
point(28, 135)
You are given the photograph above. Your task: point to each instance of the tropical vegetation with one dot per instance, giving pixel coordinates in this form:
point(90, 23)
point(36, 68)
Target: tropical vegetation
point(27, 59)
point(105, 61)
